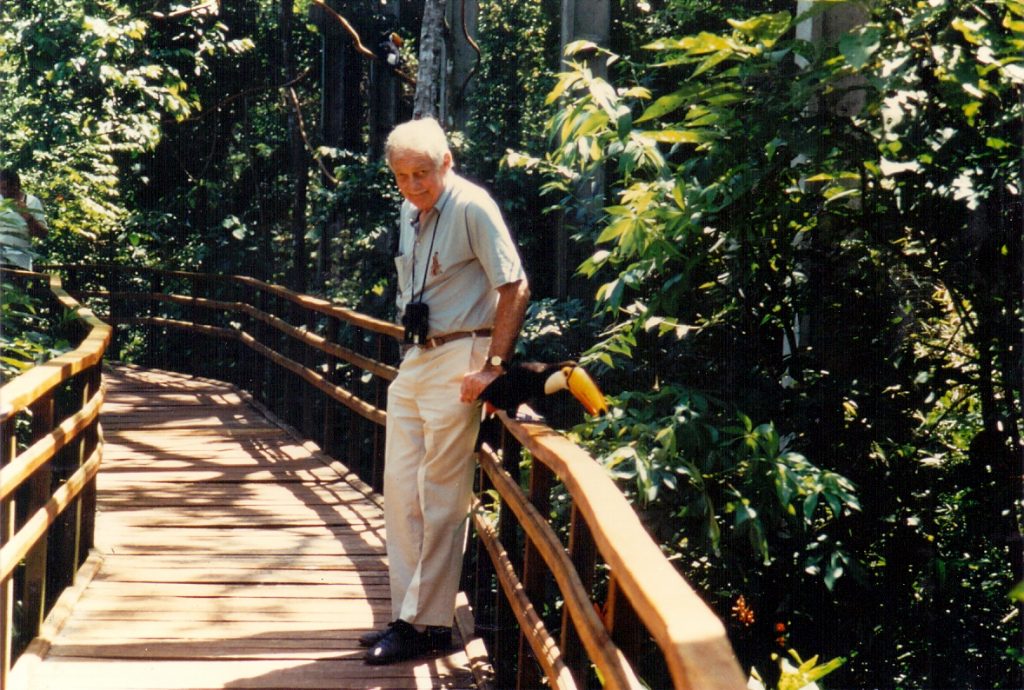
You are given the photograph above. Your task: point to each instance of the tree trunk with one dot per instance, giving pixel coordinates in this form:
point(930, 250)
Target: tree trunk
point(428, 79)
point(296, 157)
point(582, 20)
point(464, 57)
point(384, 92)
point(341, 118)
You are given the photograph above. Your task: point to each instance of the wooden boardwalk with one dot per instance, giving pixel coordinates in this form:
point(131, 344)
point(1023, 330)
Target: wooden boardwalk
point(229, 555)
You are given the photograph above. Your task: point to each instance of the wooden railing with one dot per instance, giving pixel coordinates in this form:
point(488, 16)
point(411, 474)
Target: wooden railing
point(581, 601)
point(50, 454)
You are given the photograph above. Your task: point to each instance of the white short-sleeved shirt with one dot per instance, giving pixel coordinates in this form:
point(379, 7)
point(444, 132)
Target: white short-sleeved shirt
point(15, 240)
point(472, 255)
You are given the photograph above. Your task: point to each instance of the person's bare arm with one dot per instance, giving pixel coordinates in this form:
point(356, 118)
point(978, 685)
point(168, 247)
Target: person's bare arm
point(35, 228)
point(513, 299)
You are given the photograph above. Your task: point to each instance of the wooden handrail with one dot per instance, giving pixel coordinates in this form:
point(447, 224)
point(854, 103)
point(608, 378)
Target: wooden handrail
point(691, 637)
point(615, 670)
point(35, 476)
point(269, 331)
point(42, 451)
point(21, 391)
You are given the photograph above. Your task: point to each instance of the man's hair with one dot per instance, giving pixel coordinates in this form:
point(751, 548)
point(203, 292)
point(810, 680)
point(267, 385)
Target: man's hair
point(420, 136)
point(10, 176)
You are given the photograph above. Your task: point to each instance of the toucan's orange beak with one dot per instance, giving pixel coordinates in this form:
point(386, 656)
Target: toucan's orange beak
point(586, 391)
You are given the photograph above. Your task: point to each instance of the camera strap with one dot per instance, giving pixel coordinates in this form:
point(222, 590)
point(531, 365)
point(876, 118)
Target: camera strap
point(433, 236)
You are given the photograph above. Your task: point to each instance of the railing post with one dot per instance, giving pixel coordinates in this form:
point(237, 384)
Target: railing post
point(114, 280)
point(380, 395)
point(8, 449)
point(308, 399)
point(258, 299)
point(506, 636)
point(583, 553)
point(62, 549)
point(628, 632)
point(480, 581)
point(194, 342)
point(37, 493)
point(156, 347)
point(90, 442)
point(535, 572)
point(242, 353)
point(292, 402)
point(330, 432)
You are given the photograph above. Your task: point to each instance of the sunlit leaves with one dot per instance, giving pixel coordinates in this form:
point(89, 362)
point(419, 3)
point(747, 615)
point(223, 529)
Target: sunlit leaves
point(859, 45)
point(765, 28)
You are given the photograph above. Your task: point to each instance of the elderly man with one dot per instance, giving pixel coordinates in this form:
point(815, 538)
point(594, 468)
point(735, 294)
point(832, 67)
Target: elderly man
point(462, 294)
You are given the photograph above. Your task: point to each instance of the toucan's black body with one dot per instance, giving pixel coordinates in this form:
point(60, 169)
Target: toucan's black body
point(522, 383)
point(529, 381)
point(388, 49)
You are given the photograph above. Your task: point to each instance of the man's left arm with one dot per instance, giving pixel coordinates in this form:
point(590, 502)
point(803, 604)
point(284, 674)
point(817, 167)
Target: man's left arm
point(34, 218)
point(513, 299)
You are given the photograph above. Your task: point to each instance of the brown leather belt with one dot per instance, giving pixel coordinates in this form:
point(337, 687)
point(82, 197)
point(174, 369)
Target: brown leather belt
point(439, 340)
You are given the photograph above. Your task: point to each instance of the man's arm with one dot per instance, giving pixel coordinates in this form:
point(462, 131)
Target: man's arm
point(36, 228)
point(512, 301)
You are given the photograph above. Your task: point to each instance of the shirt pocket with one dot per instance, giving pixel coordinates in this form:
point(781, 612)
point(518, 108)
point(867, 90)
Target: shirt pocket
point(403, 266)
point(450, 255)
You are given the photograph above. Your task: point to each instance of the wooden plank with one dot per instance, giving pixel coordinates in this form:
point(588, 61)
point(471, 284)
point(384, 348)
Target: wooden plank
point(359, 562)
point(233, 556)
point(291, 674)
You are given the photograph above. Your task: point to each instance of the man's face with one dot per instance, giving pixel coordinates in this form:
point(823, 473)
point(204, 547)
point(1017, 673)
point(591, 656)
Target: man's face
point(419, 180)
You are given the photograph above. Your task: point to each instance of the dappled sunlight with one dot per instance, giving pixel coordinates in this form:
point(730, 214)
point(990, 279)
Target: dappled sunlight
point(229, 559)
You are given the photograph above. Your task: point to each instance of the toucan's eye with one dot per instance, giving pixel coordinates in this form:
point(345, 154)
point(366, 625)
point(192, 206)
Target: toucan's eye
point(566, 372)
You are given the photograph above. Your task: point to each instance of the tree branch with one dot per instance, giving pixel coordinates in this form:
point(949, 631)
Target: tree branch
point(212, 4)
point(305, 139)
point(243, 94)
point(360, 48)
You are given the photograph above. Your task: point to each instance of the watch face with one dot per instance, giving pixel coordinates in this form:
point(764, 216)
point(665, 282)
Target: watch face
point(497, 361)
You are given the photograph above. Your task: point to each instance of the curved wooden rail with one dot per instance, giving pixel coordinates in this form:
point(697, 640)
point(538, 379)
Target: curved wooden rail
point(553, 602)
point(60, 401)
point(691, 637)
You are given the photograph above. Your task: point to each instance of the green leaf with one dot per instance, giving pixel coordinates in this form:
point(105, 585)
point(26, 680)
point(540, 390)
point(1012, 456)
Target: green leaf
point(765, 28)
point(858, 46)
point(679, 136)
point(716, 59)
point(615, 230)
point(667, 104)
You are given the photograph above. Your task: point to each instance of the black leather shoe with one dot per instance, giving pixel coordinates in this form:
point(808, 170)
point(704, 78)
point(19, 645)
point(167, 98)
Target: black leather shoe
point(439, 638)
point(401, 641)
point(374, 636)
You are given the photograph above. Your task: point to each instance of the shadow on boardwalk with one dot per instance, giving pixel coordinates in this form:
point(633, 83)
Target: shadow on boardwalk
point(231, 555)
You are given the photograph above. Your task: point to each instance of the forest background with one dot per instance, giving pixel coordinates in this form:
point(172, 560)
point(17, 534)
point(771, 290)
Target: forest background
point(795, 264)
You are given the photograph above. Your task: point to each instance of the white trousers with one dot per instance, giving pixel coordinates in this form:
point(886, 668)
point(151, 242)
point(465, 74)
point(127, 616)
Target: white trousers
point(428, 479)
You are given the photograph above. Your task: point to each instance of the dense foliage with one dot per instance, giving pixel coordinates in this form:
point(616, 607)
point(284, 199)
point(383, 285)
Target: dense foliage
point(802, 276)
point(826, 238)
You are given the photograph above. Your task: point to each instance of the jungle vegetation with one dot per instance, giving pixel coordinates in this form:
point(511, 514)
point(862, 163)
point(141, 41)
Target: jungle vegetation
point(794, 262)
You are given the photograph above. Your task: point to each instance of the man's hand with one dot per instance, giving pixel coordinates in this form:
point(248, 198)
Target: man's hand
point(512, 300)
point(474, 383)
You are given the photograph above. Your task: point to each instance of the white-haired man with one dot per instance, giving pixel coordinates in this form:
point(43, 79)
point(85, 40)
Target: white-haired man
point(462, 294)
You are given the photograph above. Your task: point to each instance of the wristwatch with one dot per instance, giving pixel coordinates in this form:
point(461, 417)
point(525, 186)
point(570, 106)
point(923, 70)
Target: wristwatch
point(496, 361)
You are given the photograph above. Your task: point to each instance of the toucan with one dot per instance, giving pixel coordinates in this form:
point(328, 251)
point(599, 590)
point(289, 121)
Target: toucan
point(388, 48)
point(525, 381)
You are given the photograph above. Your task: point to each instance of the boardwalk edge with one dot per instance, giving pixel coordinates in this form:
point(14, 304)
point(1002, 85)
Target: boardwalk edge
point(21, 675)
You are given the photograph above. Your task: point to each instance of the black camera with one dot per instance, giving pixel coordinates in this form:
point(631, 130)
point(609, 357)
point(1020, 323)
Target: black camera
point(416, 320)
